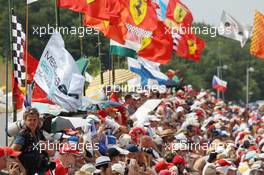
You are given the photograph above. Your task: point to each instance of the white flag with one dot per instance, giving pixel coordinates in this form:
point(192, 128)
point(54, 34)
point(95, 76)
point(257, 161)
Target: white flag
point(58, 75)
point(31, 1)
point(229, 27)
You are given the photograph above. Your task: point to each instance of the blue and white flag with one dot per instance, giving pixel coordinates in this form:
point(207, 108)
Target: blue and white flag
point(149, 75)
point(161, 11)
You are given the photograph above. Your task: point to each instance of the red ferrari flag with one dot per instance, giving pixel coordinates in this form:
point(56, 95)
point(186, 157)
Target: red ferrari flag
point(178, 14)
point(188, 46)
point(109, 10)
point(115, 31)
point(95, 8)
point(159, 48)
point(115, 9)
point(142, 14)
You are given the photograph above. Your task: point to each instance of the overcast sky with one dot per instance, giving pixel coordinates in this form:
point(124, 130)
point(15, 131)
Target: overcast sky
point(209, 11)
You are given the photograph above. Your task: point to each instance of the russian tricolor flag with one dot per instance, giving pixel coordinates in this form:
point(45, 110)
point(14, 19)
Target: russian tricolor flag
point(219, 84)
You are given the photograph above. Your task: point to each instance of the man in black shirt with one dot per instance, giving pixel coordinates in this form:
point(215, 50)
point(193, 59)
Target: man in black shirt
point(28, 141)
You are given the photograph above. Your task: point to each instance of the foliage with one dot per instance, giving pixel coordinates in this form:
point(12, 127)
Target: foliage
point(94, 66)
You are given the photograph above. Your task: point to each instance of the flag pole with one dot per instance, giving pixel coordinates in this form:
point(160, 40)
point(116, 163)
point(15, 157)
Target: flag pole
point(100, 58)
point(57, 14)
point(109, 70)
point(113, 69)
point(81, 38)
point(11, 57)
point(13, 95)
point(219, 67)
point(81, 47)
point(26, 42)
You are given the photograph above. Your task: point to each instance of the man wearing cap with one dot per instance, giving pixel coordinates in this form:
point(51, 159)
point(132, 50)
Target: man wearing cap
point(180, 163)
point(153, 125)
point(66, 159)
point(90, 168)
point(104, 164)
point(14, 167)
point(133, 151)
point(113, 154)
point(118, 169)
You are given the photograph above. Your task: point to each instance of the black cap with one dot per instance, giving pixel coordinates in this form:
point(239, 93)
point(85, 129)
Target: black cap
point(112, 152)
point(132, 148)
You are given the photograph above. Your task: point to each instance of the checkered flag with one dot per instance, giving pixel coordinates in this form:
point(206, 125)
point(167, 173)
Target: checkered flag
point(18, 40)
point(176, 38)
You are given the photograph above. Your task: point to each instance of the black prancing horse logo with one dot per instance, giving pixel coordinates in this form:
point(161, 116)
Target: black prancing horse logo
point(137, 7)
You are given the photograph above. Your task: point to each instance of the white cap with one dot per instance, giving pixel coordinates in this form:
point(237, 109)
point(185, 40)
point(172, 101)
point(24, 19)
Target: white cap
point(102, 160)
point(153, 118)
point(201, 95)
point(180, 109)
point(119, 168)
point(219, 149)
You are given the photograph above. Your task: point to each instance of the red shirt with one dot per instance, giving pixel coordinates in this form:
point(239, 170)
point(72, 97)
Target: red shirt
point(114, 97)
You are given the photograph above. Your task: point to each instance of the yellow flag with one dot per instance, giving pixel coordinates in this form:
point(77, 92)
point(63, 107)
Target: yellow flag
point(257, 42)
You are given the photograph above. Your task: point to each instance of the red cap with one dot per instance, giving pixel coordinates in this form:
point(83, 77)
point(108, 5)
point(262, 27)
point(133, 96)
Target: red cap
point(7, 151)
point(253, 147)
point(162, 165)
point(199, 113)
point(66, 148)
point(223, 162)
point(211, 127)
point(102, 113)
point(178, 160)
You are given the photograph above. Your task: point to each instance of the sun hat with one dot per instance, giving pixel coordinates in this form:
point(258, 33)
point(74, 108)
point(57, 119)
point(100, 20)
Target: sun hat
point(102, 160)
point(88, 168)
point(119, 168)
